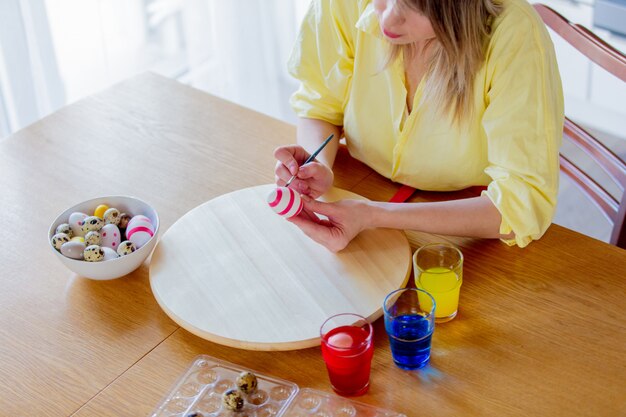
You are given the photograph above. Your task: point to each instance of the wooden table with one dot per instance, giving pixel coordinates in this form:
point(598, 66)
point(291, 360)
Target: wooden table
point(541, 330)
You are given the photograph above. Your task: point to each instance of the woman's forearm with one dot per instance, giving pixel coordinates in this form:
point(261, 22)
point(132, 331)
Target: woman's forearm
point(311, 134)
point(472, 217)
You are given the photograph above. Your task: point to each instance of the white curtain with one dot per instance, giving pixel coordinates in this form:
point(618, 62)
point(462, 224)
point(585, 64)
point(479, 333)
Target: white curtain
point(253, 39)
point(53, 52)
point(30, 86)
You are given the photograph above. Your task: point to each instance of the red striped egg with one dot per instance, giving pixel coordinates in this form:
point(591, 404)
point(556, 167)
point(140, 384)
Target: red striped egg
point(139, 231)
point(285, 201)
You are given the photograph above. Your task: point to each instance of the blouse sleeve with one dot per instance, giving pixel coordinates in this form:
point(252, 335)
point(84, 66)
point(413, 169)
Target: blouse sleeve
point(523, 122)
point(322, 59)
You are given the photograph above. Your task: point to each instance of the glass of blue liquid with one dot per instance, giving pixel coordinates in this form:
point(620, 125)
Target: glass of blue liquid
point(409, 322)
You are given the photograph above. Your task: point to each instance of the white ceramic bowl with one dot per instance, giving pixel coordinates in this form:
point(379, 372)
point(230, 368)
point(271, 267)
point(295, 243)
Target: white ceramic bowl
point(113, 268)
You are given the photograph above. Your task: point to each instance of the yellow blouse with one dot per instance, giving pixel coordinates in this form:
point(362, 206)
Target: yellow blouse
point(511, 145)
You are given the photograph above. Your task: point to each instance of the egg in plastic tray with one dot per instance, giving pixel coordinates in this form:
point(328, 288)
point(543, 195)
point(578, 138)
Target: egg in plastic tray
point(200, 390)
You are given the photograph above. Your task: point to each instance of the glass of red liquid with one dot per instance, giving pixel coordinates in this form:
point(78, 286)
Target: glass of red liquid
point(347, 349)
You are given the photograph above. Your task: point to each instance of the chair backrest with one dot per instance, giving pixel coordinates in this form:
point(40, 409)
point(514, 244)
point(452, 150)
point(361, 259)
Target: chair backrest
point(614, 62)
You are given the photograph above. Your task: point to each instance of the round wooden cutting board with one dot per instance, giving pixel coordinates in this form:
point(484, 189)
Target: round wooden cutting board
point(234, 272)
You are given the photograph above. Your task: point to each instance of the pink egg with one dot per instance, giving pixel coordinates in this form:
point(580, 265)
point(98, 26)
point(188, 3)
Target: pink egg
point(285, 201)
point(139, 232)
point(110, 236)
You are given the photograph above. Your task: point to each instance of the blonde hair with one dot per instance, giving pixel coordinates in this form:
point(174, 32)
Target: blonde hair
point(462, 30)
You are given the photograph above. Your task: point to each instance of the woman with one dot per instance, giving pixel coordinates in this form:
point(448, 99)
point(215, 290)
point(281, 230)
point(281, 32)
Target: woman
point(436, 94)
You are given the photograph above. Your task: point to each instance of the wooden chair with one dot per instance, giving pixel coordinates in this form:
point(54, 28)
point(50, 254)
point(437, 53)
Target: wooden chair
point(614, 62)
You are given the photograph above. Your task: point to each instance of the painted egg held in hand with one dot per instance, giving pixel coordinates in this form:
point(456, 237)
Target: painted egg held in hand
point(285, 202)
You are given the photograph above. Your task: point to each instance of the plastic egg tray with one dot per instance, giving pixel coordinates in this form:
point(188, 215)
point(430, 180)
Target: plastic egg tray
point(313, 403)
point(201, 387)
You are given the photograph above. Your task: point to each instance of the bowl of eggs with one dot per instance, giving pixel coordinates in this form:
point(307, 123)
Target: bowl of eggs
point(106, 237)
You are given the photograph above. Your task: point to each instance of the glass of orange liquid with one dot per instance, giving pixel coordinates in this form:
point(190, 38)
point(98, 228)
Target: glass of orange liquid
point(438, 269)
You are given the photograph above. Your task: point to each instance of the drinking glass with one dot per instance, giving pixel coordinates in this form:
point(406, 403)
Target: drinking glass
point(438, 269)
point(410, 323)
point(347, 349)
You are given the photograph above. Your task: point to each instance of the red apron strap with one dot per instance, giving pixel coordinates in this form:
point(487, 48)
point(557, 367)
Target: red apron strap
point(477, 189)
point(404, 193)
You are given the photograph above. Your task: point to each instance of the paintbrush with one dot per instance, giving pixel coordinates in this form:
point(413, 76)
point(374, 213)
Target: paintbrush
point(313, 155)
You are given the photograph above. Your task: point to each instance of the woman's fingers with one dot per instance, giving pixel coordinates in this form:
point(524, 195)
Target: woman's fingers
point(322, 231)
point(319, 207)
point(312, 229)
point(281, 174)
point(311, 170)
point(317, 176)
point(310, 215)
point(291, 156)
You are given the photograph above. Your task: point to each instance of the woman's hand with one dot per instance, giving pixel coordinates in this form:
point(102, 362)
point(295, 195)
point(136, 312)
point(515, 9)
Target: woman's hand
point(345, 220)
point(312, 179)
